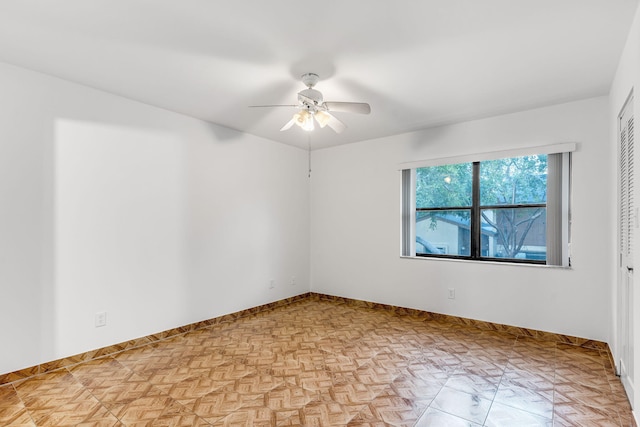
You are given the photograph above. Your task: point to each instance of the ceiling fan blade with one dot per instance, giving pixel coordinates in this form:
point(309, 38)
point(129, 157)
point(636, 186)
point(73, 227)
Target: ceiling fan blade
point(348, 107)
point(335, 124)
point(269, 106)
point(288, 125)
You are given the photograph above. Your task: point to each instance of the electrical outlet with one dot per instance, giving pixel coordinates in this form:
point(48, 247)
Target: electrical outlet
point(101, 319)
point(293, 280)
point(452, 293)
point(272, 284)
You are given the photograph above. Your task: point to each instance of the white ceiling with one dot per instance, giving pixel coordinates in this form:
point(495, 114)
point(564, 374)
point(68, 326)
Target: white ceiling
point(419, 63)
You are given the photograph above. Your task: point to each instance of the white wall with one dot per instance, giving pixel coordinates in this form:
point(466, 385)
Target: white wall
point(158, 219)
point(627, 78)
point(355, 237)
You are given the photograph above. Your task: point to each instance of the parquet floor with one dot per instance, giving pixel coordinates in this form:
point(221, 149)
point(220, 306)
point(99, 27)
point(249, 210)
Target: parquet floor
point(317, 363)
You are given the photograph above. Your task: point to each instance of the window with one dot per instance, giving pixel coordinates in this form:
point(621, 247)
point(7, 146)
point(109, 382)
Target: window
point(509, 209)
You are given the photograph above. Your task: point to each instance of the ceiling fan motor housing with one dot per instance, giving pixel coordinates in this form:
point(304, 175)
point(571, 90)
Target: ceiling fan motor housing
point(310, 97)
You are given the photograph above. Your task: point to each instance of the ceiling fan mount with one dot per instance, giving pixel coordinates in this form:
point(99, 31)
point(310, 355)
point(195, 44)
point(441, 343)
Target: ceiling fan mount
point(312, 108)
point(310, 79)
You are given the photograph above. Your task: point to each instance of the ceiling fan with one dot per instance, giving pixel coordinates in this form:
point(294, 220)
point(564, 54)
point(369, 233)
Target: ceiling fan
point(311, 107)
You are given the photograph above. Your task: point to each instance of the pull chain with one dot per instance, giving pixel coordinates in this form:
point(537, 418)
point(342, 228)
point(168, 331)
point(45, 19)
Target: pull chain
point(309, 152)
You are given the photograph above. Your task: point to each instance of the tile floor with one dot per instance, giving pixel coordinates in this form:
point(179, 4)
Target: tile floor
point(318, 363)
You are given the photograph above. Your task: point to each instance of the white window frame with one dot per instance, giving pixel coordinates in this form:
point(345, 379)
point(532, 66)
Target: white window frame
point(558, 230)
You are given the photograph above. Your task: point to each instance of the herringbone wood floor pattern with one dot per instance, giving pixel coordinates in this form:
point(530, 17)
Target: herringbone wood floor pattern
point(318, 363)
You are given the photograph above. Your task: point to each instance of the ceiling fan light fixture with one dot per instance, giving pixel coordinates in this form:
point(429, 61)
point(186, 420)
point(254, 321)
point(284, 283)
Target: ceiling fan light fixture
point(322, 118)
point(304, 119)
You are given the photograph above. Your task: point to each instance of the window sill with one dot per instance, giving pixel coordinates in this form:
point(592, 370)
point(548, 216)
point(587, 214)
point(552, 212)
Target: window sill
point(473, 261)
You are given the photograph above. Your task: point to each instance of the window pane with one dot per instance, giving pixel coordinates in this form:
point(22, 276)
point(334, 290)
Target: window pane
point(444, 186)
point(443, 232)
point(516, 233)
point(515, 180)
